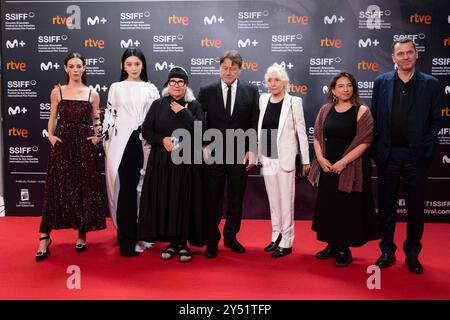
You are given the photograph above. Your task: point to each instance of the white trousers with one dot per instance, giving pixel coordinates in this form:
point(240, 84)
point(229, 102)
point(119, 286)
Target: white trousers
point(280, 187)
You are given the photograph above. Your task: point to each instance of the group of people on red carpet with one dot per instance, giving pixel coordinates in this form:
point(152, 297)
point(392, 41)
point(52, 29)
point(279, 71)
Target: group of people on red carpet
point(152, 198)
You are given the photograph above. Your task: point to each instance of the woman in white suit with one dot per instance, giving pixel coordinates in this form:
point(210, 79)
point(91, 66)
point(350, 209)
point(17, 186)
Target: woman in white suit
point(281, 136)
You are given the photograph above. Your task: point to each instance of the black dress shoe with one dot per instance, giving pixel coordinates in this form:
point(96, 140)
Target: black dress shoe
point(281, 252)
point(343, 258)
point(414, 265)
point(211, 252)
point(80, 247)
point(385, 260)
point(327, 253)
point(234, 245)
point(273, 245)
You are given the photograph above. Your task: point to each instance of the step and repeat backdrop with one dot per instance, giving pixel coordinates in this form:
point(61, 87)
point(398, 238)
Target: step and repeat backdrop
point(313, 40)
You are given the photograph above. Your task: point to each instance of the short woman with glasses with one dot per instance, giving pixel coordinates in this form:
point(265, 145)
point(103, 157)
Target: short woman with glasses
point(171, 202)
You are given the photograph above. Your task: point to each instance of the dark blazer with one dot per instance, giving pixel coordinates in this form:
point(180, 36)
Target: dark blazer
point(245, 111)
point(423, 117)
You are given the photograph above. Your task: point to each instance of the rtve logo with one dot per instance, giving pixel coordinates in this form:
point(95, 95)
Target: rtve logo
point(212, 20)
point(333, 19)
point(368, 43)
point(368, 66)
point(16, 66)
point(92, 43)
point(447, 42)
point(98, 87)
point(420, 18)
point(164, 66)
point(249, 15)
point(326, 42)
point(250, 65)
point(167, 38)
point(45, 66)
point(444, 132)
point(445, 112)
point(95, 20)
point(11, 44)
point(17, 110)
point(18, 16)
point(73, 21)
point(173, 19)
point(299, 88)
point(134, 15)
point(247, 43)
point(15, 132)
point(298, 19)
point(129, 43)
point(215, 43)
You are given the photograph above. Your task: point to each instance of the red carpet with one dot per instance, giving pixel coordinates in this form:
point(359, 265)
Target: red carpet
point(251, 276)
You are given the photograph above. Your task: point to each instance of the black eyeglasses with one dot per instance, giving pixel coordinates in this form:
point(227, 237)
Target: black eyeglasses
point(177, 83)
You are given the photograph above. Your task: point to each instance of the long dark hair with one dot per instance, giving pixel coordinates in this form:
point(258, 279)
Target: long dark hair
point(354, 98)
point(76, 55)
point(136, 53)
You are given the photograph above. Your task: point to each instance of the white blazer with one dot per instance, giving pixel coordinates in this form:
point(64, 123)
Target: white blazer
point(287, 144)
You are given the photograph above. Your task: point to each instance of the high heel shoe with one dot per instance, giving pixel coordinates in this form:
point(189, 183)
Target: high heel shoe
point(43, 255)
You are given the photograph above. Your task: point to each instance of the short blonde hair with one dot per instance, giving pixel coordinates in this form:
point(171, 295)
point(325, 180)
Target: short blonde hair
point(280, 73)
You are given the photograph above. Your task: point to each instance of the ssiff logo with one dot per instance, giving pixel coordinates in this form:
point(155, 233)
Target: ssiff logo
point(16, 66)
point(373, 16)
point(212, 20)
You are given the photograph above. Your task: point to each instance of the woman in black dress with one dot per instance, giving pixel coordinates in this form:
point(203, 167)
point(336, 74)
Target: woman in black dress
point(345, 215)
point(73, 195)
point(171, 201)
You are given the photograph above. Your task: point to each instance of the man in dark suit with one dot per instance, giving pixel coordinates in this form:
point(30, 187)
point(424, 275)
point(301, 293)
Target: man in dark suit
point(406, 111)
point(229, 104)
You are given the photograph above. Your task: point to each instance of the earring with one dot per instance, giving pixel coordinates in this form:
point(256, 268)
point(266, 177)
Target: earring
point(335, 99)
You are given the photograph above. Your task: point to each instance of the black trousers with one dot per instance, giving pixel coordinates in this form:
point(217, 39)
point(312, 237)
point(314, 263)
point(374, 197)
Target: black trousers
point(127, 205)
point(234, 176)
point(401, 164)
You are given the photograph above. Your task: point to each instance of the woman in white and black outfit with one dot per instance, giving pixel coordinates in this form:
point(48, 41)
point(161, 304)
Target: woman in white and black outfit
point(282, 135)
point(126, 151)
